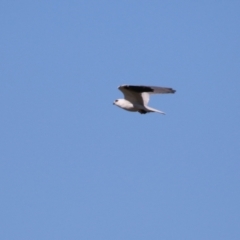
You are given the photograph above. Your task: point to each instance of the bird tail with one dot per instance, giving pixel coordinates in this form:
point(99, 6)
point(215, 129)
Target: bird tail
point(154, 110)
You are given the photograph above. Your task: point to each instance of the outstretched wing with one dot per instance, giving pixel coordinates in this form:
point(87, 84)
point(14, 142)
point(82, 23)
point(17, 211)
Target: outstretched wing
point(141, 93)
point(149, 89)
point(131, 96)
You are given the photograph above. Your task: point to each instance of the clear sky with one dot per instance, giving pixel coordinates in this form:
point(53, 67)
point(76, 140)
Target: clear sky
point(73, 166)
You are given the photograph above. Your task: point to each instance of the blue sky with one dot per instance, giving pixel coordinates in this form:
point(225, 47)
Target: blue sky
point(73, 166)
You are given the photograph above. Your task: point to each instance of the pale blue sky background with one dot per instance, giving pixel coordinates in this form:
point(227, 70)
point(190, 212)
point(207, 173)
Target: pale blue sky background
point(73, 166)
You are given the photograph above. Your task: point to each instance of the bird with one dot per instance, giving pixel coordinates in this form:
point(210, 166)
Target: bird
point(136, 98)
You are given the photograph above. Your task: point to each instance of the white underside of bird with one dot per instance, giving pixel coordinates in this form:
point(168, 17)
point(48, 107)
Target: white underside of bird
point(136, 98)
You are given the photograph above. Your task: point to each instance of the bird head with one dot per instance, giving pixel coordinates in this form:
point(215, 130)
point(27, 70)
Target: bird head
point(116, 102)
point(119, 102)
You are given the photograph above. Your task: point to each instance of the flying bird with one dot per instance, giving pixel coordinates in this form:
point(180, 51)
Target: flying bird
point(136, 98)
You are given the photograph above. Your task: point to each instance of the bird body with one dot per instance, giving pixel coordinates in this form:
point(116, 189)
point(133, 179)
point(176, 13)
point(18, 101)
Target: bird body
point(136, 98)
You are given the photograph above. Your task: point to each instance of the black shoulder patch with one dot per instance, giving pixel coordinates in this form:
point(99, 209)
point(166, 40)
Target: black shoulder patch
point(138, 89)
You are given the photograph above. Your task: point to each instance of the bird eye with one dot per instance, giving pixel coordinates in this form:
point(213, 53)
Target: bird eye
point(116, 100)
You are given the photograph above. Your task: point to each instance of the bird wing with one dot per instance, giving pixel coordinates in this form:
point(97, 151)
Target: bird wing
point(131, 96)
point(141, 94)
